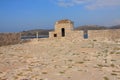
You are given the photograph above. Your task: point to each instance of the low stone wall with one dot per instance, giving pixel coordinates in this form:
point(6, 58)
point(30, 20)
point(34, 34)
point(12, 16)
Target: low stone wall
point(9, 38)
point(109, 35)
point(98, 35)
point(75, 35)
point(71, 35)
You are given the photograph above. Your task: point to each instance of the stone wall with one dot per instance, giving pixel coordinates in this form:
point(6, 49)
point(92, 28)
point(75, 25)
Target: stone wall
point(71, 34)
point(9, 38)
point(109, 35)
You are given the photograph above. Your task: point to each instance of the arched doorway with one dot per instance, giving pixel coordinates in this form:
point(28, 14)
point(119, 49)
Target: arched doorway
point(63, 32)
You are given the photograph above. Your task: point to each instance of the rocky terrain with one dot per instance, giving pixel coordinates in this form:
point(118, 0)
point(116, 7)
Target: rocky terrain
point(60, 59)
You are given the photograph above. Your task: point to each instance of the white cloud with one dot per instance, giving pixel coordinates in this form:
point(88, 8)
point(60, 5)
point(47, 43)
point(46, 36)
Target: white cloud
point(80, 1)
point(103, 4)
point(69, 3)
point(65, 3)
point(89, 4)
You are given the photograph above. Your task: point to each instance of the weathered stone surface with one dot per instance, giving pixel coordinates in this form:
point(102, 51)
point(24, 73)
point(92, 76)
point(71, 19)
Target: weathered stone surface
point(71, 34)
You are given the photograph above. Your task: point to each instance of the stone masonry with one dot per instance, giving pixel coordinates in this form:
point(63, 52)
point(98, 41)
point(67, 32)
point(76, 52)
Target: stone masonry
point(65, 29)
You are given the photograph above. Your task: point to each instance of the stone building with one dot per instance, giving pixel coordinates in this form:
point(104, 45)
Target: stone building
point(64, 28)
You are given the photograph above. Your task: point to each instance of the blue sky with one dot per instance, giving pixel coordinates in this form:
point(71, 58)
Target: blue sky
point(19, 15)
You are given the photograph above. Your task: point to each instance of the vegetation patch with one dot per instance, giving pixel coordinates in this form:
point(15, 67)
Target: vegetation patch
point(112, 52)
point(69, 66)
point(1, 53)
point(112, 65)
point(94, 40)
point(117, 52)
point(44, 72)
point(100, 65)
point(9, 38)
point(116, 48)
point(105, 78)
point(62, 72)
point(114, 74)
point(70, 60)
point(80, 62)
point(116, 71)
point(113, 60)
point(25, 79)
point(20, 74)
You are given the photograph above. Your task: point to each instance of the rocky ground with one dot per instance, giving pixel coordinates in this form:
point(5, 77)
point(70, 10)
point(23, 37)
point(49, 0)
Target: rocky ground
point(60, 60)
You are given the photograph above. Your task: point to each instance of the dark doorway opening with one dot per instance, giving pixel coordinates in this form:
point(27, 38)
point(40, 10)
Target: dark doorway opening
point(63, 32)
point(85, 34)
point(55, 35)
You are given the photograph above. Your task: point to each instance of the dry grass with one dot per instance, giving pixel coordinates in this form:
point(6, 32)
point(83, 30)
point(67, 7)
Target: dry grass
point(9, 38)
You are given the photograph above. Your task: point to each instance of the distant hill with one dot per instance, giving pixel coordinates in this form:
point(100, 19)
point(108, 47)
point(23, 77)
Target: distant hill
point(85, 27)
point(91, 27)
point(33, 32)
point(115, 27)
point(96, 27)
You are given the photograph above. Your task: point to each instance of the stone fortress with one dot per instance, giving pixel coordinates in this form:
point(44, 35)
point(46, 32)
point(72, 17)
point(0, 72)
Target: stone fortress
point(65, 29)
point(62, 28)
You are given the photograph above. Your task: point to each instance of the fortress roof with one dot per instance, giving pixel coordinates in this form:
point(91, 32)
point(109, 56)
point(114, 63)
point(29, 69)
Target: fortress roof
point(64, 21)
